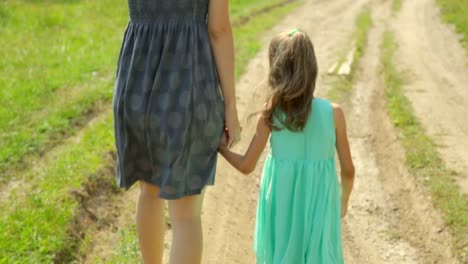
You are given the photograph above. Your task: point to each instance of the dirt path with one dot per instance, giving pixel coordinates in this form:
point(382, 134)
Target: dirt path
point(390, 220)
point(387, 201)
point(438, 87)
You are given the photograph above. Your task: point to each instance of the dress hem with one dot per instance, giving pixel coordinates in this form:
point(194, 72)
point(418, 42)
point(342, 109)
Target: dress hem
point(170, 197)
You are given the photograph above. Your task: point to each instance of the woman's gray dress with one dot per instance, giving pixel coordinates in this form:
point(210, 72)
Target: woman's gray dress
point(168, 108)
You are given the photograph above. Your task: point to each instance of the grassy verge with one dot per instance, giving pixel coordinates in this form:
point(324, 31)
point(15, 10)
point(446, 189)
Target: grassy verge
point(456, 13)
point(128, 250)
point(58, 60)
point(33, 138)
point(245, 8)
point(36, 222)
point(421, 153)
point(247, 37)
point(342, 85)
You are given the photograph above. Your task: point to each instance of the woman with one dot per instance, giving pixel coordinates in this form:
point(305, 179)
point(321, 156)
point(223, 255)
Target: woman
point(170, 114)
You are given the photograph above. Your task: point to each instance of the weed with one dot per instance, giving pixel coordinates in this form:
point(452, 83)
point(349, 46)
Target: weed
point(396, 6)
point(456, 13)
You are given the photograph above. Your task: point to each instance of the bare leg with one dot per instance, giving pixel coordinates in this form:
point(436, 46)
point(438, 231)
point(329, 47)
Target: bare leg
point(187, 243)
point(150, 223)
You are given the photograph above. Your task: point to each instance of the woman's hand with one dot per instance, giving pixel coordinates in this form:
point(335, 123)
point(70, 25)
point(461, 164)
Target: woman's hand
point(232, 125)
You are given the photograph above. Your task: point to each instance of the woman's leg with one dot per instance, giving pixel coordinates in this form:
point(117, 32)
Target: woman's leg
point(187, 242)
point(150, 223)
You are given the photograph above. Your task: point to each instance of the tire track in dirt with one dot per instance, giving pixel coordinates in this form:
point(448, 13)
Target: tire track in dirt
point(438, 88)
point(89, 214)
point(387, 201)
point(55, 139)
point(37, 165)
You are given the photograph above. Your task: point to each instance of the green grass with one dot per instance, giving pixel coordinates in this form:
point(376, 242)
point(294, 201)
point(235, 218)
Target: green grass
point(247, 37)
point(243, 8)
point(396, 6)
point(342, 85)
point(456, 13)
point(35, 222)
point(422, 157)
point(58, 60)
point(62, 69)
point(128, 251)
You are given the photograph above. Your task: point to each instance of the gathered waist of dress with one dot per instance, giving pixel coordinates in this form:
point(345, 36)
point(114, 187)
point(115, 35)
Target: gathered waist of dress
point(303, 160)
point(169, 20)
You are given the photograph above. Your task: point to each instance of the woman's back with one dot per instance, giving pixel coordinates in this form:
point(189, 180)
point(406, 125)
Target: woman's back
point(168, 10)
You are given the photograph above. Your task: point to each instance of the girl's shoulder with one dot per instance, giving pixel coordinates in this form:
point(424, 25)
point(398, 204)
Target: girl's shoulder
point(331, 108)
point(323, 103)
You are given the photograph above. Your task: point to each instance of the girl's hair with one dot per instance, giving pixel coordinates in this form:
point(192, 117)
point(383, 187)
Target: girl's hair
point(292, 77)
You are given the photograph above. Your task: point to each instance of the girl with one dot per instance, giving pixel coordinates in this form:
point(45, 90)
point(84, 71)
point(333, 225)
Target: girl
point(169, 115)
point(298, 214)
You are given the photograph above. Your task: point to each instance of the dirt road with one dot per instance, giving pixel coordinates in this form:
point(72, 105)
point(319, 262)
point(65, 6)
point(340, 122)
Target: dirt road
point(391, 219)
point(438, 75)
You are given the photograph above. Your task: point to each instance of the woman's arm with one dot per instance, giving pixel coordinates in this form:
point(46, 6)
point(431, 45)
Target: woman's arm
point(222, 44)
point(344, 154)
point(246, 163)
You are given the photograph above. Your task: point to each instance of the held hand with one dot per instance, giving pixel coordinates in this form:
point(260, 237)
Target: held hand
point(232, 126)
point(224, 141)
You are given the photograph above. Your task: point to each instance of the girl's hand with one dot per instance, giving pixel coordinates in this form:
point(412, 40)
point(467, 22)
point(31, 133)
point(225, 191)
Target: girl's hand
point(232, 126)
point(224, 141)
point(344, 208)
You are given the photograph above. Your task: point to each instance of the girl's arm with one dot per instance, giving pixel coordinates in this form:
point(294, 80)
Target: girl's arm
point(246, 163)
point(344, 154)
point(222, 44)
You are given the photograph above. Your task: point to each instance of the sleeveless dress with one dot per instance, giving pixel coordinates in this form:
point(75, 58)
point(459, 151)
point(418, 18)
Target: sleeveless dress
point(299, 208)
point(168, 107)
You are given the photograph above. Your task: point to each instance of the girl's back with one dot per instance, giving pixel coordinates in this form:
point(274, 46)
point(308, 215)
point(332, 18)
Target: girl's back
point(298, 217)
point(315, 142)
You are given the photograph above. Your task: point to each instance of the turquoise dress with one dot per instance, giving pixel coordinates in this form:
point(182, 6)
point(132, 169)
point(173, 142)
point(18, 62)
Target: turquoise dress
point(298, 215)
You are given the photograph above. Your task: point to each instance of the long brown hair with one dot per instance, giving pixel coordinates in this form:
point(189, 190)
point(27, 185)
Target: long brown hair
point(292, 77)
